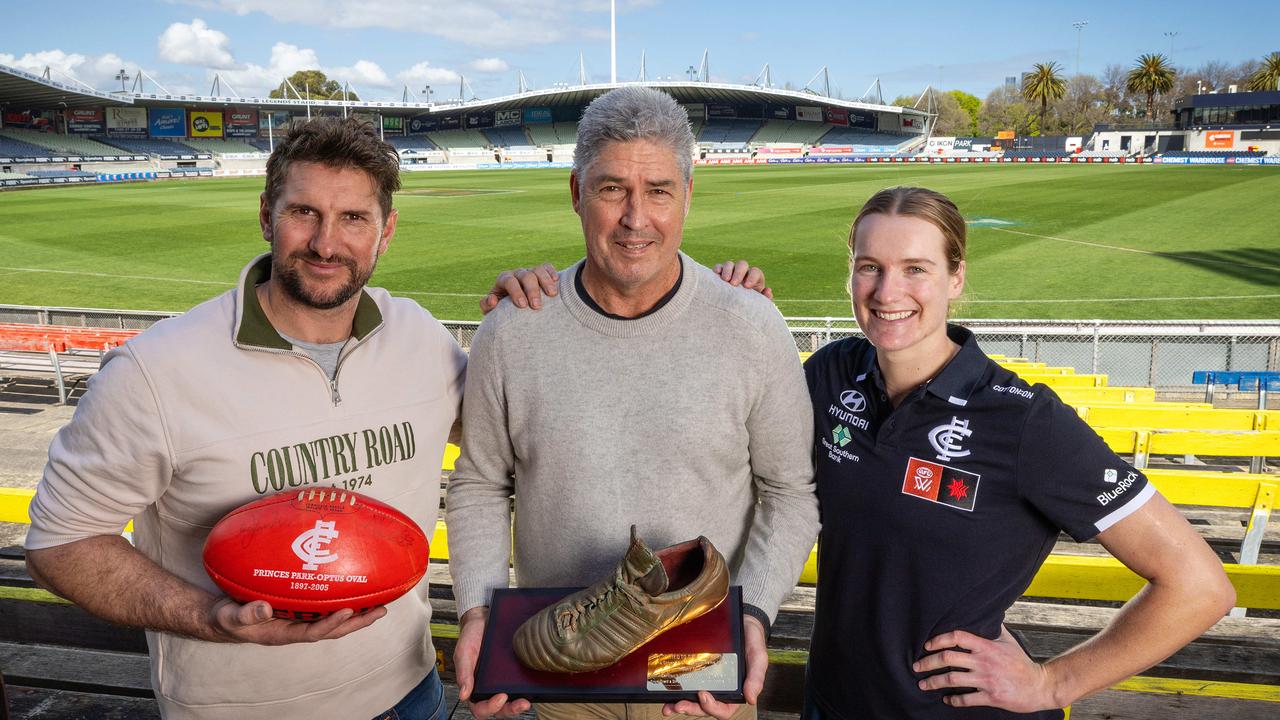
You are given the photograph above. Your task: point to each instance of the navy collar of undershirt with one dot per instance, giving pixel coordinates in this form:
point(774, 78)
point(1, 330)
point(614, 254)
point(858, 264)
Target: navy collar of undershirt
point(591, 302)
point(958, 377)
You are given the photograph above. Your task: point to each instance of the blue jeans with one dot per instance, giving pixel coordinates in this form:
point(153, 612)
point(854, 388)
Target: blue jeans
point(424, 702)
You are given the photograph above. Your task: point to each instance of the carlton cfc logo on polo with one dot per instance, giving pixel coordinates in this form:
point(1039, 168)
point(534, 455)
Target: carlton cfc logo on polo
point(853, 400)
point(946, 439)
point(311, 546)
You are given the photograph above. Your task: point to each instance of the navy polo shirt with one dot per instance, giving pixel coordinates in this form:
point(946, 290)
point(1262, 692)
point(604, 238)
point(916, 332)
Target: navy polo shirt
point(936, 515)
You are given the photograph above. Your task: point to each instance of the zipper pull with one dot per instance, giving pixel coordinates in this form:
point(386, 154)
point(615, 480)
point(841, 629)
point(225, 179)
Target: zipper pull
point(333, 390)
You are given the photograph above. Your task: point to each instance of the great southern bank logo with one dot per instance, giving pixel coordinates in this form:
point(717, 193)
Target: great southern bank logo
point(853, 400)
point(840, 435)
point(310, 546)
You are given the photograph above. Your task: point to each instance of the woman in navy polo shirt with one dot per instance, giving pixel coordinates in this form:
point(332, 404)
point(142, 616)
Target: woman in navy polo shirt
point(944, 481)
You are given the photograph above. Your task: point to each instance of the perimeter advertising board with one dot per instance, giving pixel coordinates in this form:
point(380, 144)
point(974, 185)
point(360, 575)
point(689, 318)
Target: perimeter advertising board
point(721, 111)
point(836, 116)
point(127, 122)
point(393, 125)
point(479, 120)
point(167, 122)
point(537, 116)
point(273, 122)
point(860, 119)
point(940, 144)
point(241, 122)
point(507, 118)
point(86, 120)
point(808, 113)
point(1220, 140)
point(778, 111)
point(419, 124)
point(206, 124)
point(42, 120)
point(451, 122)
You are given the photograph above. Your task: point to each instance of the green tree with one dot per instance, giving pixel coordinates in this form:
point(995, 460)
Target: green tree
point(1083, 106)
point(313, 83)
point(971, 105)
point(951, 120)
point(1151, 75)
point(1267, 76)
point(1005, 109)
point(1044, 84)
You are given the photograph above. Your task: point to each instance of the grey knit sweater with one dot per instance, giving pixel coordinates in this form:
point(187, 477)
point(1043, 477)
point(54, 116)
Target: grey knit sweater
point(694, 420)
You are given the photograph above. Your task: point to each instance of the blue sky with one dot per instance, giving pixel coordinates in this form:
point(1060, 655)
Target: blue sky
point(380, 46)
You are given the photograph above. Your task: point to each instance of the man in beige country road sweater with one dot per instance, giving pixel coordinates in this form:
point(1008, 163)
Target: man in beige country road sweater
point(268, 387)
point(646, 392)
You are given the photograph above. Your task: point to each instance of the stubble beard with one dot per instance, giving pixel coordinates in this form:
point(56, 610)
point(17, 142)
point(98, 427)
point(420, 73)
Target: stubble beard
point(285, 270)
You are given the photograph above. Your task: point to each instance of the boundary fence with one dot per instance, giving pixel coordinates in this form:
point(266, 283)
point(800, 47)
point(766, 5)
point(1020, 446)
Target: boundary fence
point(1159, 354)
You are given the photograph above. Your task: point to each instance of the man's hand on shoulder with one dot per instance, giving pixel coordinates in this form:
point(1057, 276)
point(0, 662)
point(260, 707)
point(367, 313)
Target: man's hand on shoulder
point(253, 623)
point(742, 274)
point(525, 287)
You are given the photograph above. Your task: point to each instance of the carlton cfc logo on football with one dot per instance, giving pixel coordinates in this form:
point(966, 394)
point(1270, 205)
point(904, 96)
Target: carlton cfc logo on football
point(311, 546)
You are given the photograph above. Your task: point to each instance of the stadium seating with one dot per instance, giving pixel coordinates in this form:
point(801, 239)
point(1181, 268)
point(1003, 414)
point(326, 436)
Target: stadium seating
point(263, 144)
point(411, 143)
point(1037, 154)
point(18, 148)
point(726, 133)
point(148, 146)
point(61, 144)
point(865, 141)
point(508, 137)
point(788, 132)
point(458, 139)
point(1213, 153)
point(219, 146)
point(13, 176)
point(61, 173)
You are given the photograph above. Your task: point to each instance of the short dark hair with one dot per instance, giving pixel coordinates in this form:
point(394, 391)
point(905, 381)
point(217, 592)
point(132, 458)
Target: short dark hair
point(337, 143)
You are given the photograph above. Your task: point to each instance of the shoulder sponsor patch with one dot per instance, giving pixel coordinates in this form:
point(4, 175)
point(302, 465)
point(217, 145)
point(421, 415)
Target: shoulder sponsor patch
point(941, 484)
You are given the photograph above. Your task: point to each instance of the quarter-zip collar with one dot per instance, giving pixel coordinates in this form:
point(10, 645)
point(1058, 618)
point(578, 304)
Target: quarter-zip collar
point(254, 330)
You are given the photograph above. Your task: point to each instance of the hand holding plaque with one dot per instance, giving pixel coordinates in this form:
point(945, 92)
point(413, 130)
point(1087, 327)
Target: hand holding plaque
point(583, 646)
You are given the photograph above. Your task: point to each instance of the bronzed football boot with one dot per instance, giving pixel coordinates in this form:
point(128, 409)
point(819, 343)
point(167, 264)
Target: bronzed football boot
point(649, 594)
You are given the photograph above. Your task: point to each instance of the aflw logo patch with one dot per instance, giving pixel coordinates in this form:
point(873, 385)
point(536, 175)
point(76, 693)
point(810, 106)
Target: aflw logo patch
point(941, 484)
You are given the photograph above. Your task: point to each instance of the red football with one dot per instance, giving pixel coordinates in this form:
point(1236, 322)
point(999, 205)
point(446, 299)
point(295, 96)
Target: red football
point(313, 552)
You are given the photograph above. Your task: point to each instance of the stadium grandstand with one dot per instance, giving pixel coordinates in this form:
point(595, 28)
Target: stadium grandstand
point(74, 134)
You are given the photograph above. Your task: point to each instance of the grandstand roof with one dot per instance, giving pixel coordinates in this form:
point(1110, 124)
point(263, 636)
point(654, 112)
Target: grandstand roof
point(682, 91)
point(21, 89)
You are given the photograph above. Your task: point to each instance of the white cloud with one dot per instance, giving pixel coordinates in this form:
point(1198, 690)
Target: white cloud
point(195, 44)
point(255, 80)
point(482, 23)
point(489, 65)
point(96, 71)
point(424, 73)
point(364, 72)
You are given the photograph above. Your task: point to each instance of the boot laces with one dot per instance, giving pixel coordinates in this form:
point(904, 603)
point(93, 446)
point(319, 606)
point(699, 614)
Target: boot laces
point(570, 618)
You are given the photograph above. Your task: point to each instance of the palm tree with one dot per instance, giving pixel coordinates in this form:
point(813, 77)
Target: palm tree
point(1267, 77)
point(1151, 75)
point(1043, 84)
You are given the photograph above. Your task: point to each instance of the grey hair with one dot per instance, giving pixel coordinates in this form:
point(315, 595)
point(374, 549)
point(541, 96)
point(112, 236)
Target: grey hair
point(634, 113)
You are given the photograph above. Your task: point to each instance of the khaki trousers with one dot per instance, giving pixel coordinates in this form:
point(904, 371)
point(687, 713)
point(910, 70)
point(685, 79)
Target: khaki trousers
point(622, 711)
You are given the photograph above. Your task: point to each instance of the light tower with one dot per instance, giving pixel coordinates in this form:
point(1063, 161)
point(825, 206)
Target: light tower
point(1171, 35)
point(1079, 26)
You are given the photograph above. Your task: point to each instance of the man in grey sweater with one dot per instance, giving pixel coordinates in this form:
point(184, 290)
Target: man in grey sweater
point(646, 392)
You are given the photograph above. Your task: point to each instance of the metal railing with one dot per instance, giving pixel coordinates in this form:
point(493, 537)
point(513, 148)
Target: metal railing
point(1154, 353)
